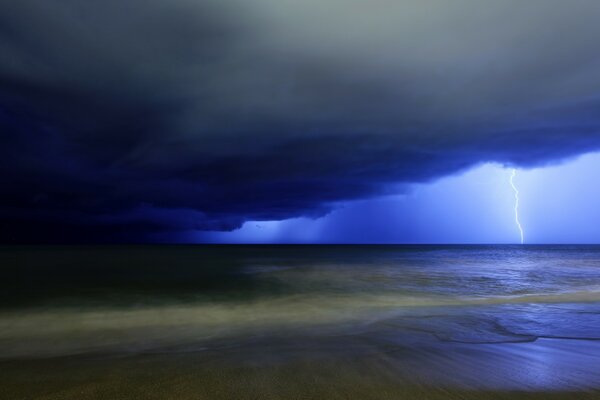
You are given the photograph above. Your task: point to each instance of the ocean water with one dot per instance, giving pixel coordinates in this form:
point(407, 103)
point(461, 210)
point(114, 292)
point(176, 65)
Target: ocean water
point(525, 317)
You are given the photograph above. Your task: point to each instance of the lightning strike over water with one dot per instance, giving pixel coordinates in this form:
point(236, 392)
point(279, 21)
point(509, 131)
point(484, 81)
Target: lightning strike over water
point(512, 183)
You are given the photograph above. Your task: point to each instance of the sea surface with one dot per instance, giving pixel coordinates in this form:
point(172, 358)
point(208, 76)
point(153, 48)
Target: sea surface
point(475, 318)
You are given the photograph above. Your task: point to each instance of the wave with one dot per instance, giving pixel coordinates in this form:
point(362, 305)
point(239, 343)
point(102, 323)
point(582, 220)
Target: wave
point(62, 331)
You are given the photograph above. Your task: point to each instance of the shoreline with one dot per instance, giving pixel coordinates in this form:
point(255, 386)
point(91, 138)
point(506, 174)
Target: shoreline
point(545, 369)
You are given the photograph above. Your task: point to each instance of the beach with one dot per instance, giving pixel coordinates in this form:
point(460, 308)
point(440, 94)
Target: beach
point(489, 371)
point(304, 322)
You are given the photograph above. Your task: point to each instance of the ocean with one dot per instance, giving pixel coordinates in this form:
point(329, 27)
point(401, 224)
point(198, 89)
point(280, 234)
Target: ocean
point(299, 321)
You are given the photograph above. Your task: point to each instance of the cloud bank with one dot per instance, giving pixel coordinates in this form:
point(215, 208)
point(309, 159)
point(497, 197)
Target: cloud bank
point(122, 118)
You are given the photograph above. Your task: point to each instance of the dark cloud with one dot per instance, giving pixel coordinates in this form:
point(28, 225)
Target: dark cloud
point(120, 118)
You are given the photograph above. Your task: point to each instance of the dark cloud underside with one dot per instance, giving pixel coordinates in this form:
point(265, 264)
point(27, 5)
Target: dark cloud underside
point(121, 118)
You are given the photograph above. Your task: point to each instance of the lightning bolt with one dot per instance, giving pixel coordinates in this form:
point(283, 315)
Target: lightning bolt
point(512, 183)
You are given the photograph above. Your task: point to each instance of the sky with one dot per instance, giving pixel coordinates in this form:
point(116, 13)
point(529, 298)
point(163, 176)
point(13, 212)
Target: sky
point(557, 205)
point(286, 121)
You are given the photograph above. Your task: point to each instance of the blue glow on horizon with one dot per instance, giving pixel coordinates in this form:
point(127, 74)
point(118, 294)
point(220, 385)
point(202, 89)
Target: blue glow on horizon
point(477, 206)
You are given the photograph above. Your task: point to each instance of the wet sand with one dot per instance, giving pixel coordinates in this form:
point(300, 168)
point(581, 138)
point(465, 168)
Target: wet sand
point(339, 368)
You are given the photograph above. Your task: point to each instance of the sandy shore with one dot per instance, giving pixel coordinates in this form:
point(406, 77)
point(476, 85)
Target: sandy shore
point(555, 369)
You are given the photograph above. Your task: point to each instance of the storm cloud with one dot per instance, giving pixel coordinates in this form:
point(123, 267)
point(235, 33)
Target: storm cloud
point(121, 118)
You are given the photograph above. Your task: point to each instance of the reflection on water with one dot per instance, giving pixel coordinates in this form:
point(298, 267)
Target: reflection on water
point(475, 309)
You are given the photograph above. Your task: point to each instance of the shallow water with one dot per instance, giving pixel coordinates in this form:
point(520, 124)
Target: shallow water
point(512, 317)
